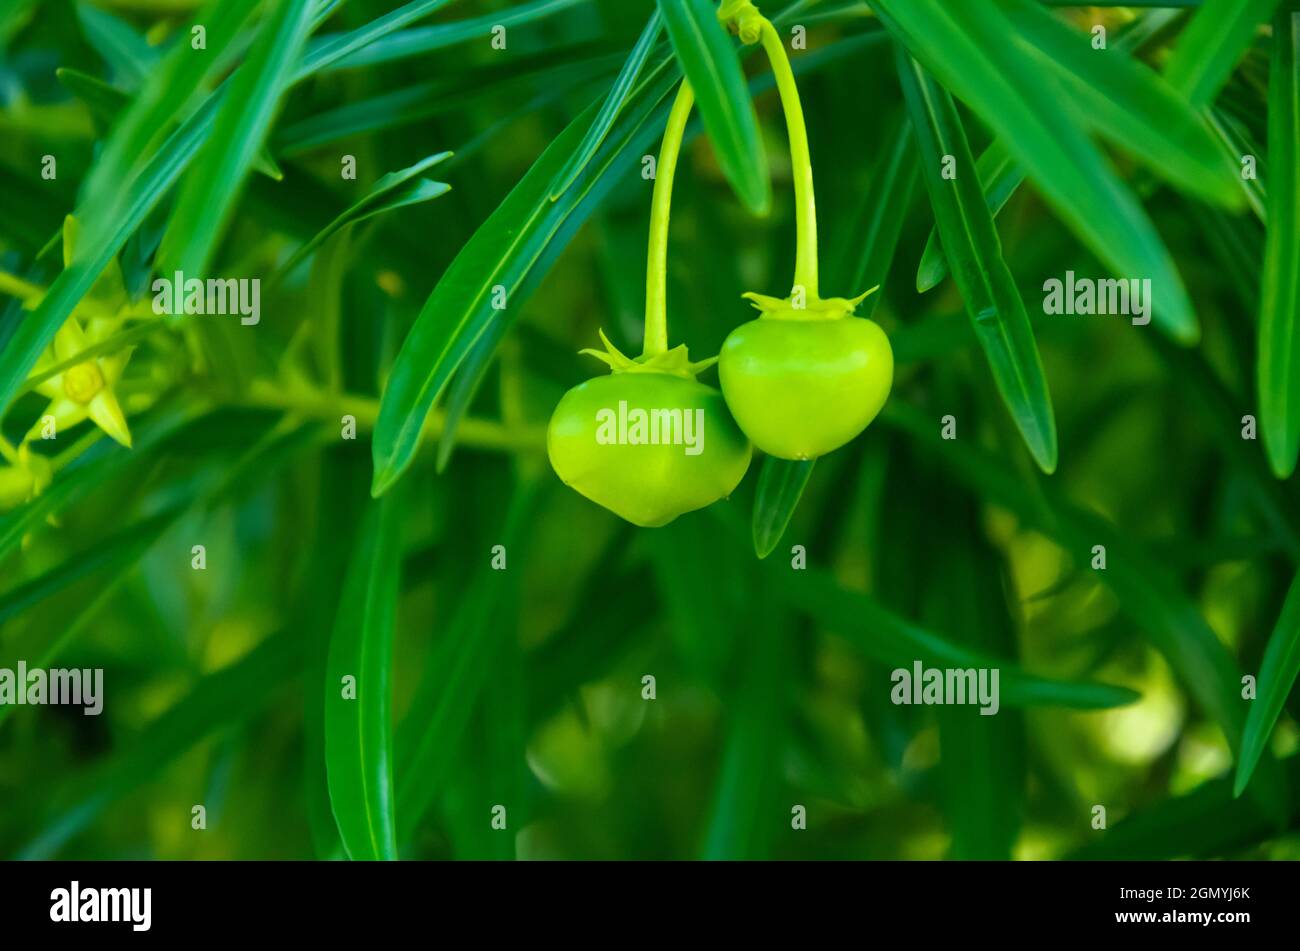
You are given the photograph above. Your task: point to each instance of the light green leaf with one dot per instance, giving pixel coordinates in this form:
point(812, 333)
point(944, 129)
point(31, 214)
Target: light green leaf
point(1209, 48)
point(780, 487)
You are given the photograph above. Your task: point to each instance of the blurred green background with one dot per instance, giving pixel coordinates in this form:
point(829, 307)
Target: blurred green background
point(524, 687)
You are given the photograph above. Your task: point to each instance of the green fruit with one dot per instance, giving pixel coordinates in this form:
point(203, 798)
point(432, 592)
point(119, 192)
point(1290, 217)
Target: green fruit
point(600, 443)
point(801, 387)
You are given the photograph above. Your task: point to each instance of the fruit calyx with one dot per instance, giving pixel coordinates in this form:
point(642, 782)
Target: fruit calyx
point(676, 361)
point(806, 307)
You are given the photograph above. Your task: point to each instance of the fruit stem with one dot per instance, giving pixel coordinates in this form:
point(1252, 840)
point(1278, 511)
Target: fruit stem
point(805, 260)
point(656, 275)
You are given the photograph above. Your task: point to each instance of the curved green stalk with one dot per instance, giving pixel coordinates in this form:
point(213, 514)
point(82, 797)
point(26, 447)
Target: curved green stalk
point(656, 272)
point(805, 261)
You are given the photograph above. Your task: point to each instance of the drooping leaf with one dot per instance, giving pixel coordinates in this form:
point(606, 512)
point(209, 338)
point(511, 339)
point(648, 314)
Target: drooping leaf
point(1277, 675)
point(395, 190)
point(885, 207)
point(1279, 317)
point(358, 690)
point(966, 48)
point(972, 247)
point(780, 487)
point(1130, 104)
point(618, 94)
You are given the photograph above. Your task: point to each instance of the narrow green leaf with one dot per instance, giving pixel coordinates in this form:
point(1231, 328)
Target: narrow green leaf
point(1130, 104)
point(213, 183)
point(965, 46)
point(395, 190)
point(325, 51)
point(376, 46)
point(125, 50)
point(1277, 675)
point(780, 487)
point(708, 58)
point(1209, 48)
point(1144, 589)
point(618, 94)
point(358, 724)
point(1208, 822)
point(999, 177)
point(501, 253)
point(972, 247)
point(1279, 336)
point(107, 103)
point(108, 188)
point(885, 207)
point(513, 249)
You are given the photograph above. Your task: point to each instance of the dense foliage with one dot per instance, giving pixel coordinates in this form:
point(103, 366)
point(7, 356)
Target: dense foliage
point(241, 516)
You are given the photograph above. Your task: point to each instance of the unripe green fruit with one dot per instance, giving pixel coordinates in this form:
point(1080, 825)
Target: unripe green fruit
point(800, 388)
point(597, 447)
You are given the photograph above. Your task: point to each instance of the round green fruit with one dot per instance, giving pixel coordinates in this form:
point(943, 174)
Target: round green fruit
point(800, 388)
point(647, 446)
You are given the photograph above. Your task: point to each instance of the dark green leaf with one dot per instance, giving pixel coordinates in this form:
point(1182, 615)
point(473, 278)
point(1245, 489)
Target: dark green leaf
point(780, 486)
point(972, 247)
point(1211, 45)
point(967, 48)
point(358, 690)
point(1277, 675)
point(1279, 335)
point(618, 95)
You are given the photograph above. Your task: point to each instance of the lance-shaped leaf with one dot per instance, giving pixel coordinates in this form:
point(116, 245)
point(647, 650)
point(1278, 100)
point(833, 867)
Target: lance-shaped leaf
point(394, 190)
point(108, 102)
point(971, 242)
point(1130, 104)
point(618, 94)
point(875, 239)
point(1000, 174)
point(708, 58)
point(1279, 337)
point(780, 487)
point(482, 285)
point(358, 690)
point(1277, 675)
point(212, 185)
point(966, 47)
point(1209, 48)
